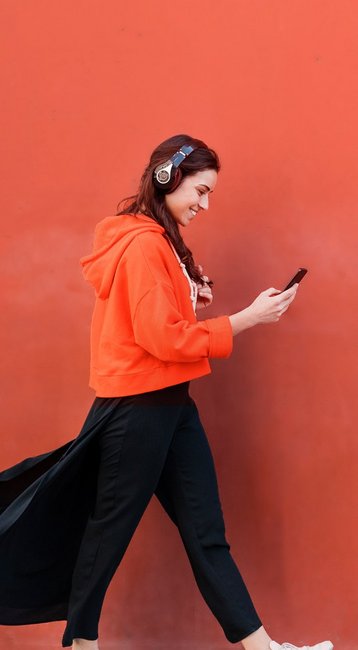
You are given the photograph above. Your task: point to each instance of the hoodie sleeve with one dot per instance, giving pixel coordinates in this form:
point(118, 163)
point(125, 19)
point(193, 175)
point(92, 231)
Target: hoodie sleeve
point(160, 329)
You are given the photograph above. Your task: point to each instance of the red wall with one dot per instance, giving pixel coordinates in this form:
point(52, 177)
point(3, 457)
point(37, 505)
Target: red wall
point(90, 87)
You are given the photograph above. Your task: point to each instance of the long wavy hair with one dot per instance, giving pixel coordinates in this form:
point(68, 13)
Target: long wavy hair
point(150, 201)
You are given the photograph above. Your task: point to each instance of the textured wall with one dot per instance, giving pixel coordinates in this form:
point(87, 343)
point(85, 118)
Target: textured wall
point(89, 88)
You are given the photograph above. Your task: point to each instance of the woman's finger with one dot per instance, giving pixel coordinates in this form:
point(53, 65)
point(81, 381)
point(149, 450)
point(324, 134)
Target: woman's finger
point(205, 290)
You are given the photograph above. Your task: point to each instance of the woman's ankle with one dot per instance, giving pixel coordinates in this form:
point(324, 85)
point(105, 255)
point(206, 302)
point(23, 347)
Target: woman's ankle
point(84, 644)
point(258, 640)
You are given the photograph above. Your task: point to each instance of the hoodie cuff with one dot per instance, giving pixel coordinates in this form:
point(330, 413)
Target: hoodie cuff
point(221, 336)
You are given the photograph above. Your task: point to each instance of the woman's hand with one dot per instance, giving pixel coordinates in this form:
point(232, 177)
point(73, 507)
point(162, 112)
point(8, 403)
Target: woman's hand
point(205, 296)
point(268, 307)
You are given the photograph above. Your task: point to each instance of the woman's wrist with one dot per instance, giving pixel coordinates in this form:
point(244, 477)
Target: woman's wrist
point(242, 320)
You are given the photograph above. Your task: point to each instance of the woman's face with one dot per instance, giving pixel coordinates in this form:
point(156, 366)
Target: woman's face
point(191, 196)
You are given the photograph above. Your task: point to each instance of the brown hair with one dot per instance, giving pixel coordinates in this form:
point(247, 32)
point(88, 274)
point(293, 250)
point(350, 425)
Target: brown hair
point(150, 201)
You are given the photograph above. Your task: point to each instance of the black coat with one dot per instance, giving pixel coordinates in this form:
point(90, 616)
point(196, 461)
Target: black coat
point(45, 502)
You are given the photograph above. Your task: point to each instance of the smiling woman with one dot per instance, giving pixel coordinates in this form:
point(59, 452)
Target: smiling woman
point(68, 516)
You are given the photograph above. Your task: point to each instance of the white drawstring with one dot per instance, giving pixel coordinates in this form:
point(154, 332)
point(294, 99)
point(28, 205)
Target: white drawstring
point(193, 286)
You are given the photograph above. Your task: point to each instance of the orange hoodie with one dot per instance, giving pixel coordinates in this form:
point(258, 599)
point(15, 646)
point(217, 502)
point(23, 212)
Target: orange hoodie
point(144, 332)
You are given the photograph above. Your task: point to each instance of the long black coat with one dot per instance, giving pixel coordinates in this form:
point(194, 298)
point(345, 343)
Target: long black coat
point(45, 502)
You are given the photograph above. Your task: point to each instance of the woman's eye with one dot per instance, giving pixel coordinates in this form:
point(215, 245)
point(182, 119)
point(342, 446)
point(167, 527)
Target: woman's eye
point(200, 192)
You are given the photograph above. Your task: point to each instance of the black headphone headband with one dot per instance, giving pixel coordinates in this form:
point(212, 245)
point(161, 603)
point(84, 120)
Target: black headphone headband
point(167, 176)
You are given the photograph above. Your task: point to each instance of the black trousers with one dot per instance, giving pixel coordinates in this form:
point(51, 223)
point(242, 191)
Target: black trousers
point(154, 443)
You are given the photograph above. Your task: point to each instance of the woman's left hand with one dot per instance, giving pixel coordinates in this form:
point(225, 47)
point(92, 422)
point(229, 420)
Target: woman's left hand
point(205, 296)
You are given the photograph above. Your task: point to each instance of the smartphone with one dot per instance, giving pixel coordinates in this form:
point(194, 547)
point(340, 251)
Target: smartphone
point(296, 278)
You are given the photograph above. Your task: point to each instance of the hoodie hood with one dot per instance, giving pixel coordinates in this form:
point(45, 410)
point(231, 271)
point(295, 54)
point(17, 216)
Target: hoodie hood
point(112, 235)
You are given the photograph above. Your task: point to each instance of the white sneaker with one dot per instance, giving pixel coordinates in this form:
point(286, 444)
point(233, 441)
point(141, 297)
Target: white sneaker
point(324, 645)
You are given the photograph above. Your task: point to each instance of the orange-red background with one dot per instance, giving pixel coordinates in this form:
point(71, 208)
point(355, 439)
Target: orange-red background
point(89, 88)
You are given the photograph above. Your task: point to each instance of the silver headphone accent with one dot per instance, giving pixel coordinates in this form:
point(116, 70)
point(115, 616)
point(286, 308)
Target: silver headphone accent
point(162, 173)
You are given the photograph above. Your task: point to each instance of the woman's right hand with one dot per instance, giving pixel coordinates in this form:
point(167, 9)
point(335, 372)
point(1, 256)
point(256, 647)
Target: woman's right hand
point(268, 307)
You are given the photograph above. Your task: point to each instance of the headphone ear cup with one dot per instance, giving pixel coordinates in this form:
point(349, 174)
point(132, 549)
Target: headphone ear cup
point(164, 179)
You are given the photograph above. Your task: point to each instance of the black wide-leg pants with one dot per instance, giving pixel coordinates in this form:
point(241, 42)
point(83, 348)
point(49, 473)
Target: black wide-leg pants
point(154, 443)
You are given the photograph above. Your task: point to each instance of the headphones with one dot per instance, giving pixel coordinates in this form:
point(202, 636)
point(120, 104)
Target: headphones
point(167, 175)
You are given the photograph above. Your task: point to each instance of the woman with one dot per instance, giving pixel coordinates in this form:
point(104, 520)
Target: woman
point(144, 427)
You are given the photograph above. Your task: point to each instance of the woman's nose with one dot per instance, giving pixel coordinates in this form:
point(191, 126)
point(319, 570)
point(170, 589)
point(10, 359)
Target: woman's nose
point(204, 201)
